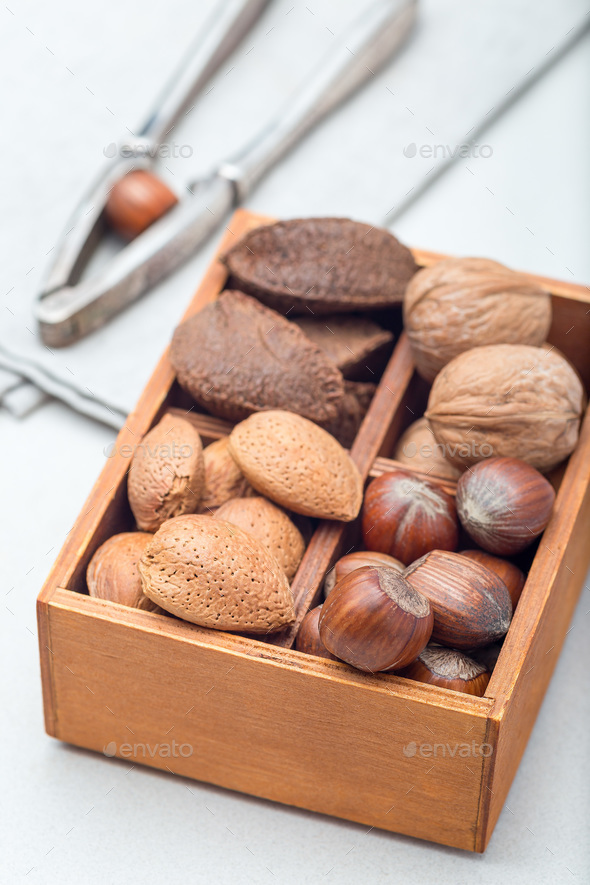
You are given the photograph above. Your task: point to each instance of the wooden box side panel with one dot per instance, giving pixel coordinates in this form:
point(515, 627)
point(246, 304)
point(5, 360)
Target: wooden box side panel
point(305, 732)
point(538, 630)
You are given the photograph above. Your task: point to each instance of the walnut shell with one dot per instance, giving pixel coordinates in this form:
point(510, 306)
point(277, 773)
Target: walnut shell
point(460, 303)
point(167, 473)
point(507, 399)
point(418, 449)
point(211, 573)
point(298, 465)
point(223, 477)
point(271, 525)
point(113, 572)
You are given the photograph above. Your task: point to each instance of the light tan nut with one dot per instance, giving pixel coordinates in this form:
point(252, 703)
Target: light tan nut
point(223, 477)
point(113, 572)
point(212, 573)
point(298, 465)
point(167, 473)
point(271, 525)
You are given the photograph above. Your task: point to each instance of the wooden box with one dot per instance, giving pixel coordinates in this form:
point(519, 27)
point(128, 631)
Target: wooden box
point(262, 718)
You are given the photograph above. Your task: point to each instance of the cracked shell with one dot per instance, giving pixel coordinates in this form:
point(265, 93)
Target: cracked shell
point(211, 573)
point(167, 473)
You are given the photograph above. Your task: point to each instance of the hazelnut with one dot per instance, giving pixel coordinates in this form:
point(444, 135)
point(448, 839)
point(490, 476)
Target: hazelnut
point(406, 517)
point(512, 576)
point(347, 564)
point(166, 474)
point(448, 668)
point(223, 477)
point(113, 572)
point(308, 637)
point(418, 449)
point(507, 399)
point(504, 504)
point(136, 201)
point(471, 605)
point(375, 620)
point(460, 303)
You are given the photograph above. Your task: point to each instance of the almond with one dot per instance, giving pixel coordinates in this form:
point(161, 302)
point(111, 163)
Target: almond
point(507, 399)
point(322, 265)
point(298, 465)
point(167, 473)
point(271, 525)
point(113, 571)
point(460, 303)
point(212, 573)
point(223, 477)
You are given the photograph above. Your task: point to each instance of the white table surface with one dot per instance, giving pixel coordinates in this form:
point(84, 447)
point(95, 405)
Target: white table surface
point(71, 816)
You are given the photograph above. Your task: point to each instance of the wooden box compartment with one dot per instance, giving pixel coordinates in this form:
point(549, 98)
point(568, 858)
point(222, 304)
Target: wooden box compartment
point(259, 717)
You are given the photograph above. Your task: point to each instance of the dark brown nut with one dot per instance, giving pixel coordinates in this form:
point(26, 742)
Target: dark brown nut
point(349, 563)
point(113, 571)
point(308, 637)
point(504, 504)
point(322, 265)
point(167, 473)
point(512, 576)
point(448, 668)
point(355, 344)
point(471, 604)
point(418, 449)
point(507, 399)
point(460, 303)
point(223, 477)
point(278, 367)
point(374, 620)
point(212, 573)
point(351, 412)
point(406, 517)
point(271, 525)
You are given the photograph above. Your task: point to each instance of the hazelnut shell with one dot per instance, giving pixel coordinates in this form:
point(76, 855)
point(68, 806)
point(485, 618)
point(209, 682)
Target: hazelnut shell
point(308, 636)
point(351, 561)
point(512, 576)
point(375, 620)
point(405, 517)
point(504, 504)
point(471, 604)
point(448, 668)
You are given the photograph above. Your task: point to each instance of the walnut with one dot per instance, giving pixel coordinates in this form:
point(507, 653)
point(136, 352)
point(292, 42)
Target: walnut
point(460, 303)
point(507, 399)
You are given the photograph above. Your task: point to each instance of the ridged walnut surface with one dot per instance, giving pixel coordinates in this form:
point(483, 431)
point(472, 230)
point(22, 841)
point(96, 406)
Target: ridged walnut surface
point(507, 399)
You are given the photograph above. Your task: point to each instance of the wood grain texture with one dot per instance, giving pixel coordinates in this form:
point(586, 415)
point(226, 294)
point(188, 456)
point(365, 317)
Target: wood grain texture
point(288, 727)
point(268, 720)
point(538, 630)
